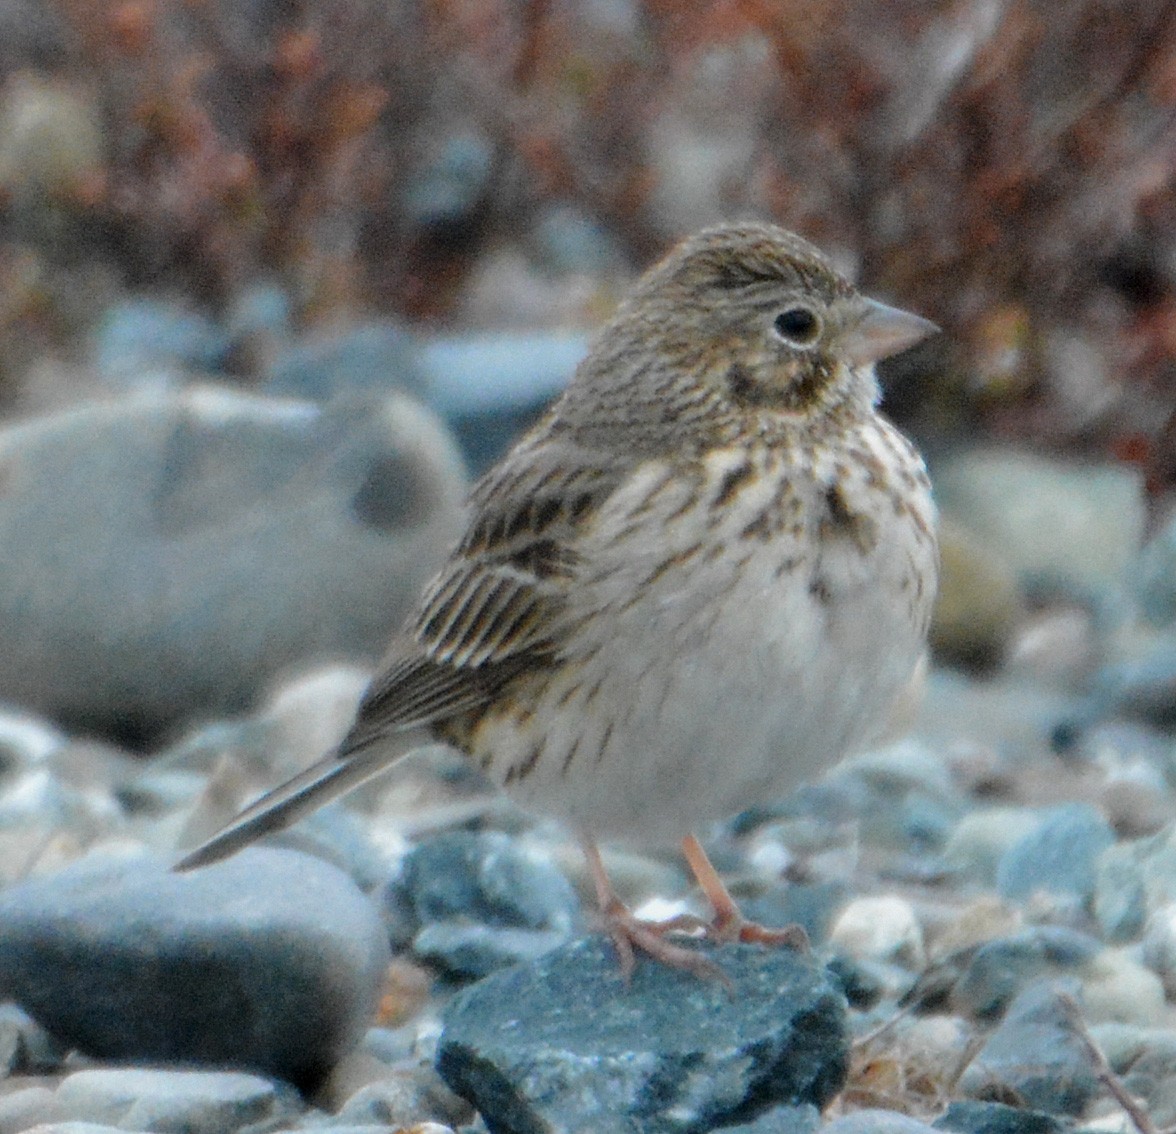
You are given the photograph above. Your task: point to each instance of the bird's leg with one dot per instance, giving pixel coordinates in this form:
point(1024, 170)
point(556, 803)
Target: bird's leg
point(729, 924)
point(630, 933)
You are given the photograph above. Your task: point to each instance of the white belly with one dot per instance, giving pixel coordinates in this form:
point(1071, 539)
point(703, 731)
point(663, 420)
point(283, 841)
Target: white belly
point(696, 692)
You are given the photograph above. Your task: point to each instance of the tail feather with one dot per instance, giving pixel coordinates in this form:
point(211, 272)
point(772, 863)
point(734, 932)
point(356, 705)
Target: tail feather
point(328, 779)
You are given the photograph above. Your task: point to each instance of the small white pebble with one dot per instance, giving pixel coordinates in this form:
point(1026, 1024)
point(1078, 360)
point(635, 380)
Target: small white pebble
point(880, 929)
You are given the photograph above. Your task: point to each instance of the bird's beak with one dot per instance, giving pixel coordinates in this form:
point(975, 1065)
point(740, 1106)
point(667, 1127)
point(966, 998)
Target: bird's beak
point(881, 331)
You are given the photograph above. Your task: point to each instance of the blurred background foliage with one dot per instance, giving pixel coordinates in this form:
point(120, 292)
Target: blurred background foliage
point(1005, 167)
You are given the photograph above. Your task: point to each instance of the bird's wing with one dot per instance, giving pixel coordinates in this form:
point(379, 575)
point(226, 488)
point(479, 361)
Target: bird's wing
point(494, 612)
point(497, 608)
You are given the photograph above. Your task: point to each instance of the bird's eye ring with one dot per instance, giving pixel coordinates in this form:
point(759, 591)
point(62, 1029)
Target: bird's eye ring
point(798, 326)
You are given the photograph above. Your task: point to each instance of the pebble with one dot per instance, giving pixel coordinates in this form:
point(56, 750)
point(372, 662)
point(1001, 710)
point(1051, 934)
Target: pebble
point(197, 1102)
point(1074, 528)
point(258, 533)
point(871, 1121)
point(979, 607)
point(1036, 1053)
point(883, 928)
point(1001, 968)
point(270, 961)
point(1058, 857)
point(473, 903)
point(971, 1116)
point(563, 1044)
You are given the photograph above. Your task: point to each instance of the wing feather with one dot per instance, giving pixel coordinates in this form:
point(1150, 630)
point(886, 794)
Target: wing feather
point(497, 608)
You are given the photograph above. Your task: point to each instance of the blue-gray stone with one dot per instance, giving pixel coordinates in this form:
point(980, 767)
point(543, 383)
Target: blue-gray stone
point(871, 1121)
point(972, 1116)
point(1001, 968)
point(270, 961)
point(447, 189)
point(1037, 1053)
point(373, 358)
point(166, 557)
point(145, 335)
point(563, 1044)
point(473, 903)
point(195, 1102)
point(1058, 857)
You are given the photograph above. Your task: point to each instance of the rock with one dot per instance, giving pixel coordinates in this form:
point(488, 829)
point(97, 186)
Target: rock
point(167, 556)
point(1071, 528)
point(1154, 576)
point(489, 387)
point(870, 1121)
point(1135, 882)
point(25, 1047)
point(402, 1100)
point(270, 961)
point(473, 903)
point(196, 1102)
point(1117, 988)
point(148, 343)
point(447, 188)
point(780, 1120)
point(1145, 1058)
point(563, 1044)
point(568, 241)
point(51, 141)
point(979, 606)
point(1059, 857)
point(372, 359)
point(1036, 1052)
point(983, 837)
point(969, 1116)
point(882, 928)
point(1000, 969)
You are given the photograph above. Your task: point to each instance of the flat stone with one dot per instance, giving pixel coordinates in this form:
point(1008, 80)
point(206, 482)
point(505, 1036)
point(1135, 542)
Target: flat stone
point(1036, 1053)
point(161, 1101)
point(270, 961)
point(562, 1044)
point(971, 1116)
point(168, 555)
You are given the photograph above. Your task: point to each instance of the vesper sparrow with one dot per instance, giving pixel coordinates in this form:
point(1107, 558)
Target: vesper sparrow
point(703, 577)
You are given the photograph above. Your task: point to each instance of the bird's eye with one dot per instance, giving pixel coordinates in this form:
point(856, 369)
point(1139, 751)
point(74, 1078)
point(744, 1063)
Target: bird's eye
point(798, 326)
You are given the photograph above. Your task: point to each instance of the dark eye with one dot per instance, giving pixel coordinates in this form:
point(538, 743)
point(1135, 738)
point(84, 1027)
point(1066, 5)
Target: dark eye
point(798, 325)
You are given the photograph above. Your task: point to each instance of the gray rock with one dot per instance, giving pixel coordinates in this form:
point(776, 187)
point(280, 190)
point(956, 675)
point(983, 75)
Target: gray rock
point(166, 556)
point(448, 187)
point(25, 1047)
point(490, 387)
point(1001, 968)
point(473, 903)
point(144, 336)
point(1074, 528)
point(373, 358)
point(1036, 1053)
point(270, 961)
point(403, 1100)
point(876, 1122)
point(1059, 857)
point(1145, 1058)
point(562, 1044)
point(1133, 881)
point(1154, 576)
point(27, 1107)
point(970, 1116)
point(780, 1120)
point(169, 1102)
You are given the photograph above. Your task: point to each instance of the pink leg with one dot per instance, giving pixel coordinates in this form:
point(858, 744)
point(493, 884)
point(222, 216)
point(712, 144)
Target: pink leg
point(729, 924)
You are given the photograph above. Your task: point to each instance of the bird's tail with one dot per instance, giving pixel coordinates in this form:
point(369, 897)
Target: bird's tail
point(329, 778)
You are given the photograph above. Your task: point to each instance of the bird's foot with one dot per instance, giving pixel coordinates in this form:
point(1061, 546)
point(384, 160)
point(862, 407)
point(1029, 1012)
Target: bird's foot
point(729, 924)
point(631, 934)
